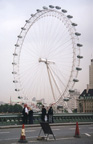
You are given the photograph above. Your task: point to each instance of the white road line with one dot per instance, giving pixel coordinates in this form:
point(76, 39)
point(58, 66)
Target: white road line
point(32, 128)
point(4, 132)
point(34, 141)
point(55, 129)
point(56, 139)
point(17, 138)
point(87, 134)
point(65, 138)
point(29, 131)
point(73, 128)
point(50, 140)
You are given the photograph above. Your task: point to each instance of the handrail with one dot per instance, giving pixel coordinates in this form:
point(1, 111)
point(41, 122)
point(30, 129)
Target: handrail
point(16, 119)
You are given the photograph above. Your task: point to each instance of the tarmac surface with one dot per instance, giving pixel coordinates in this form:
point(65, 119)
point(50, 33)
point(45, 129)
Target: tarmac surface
point(64, 134)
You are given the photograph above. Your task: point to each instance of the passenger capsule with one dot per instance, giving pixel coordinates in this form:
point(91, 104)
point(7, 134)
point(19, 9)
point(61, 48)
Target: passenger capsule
point(64, 11)
point(79, 45)
point(44, 7)
point(19, 36)
point(15, 54)
point(20, 97)
point(15, 81)
point(77, 34)
point(69, 16)
point(80, 57)
point(16, 45)
point(77, 68)
point(14, 72)
point(51, 6)
point(71, 91)
point(32, 15)
point(27, 21)
point(38, 10)
point(14, 63)
point(23, 28)
point(74, 24)
point(66, 99)
point(57, 7)
point(75, 80)
point(17, 89)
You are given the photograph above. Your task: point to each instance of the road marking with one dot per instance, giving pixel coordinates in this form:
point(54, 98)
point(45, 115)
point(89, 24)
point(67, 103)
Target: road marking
point(54, 139)
point(55, 129)
point(87, 134)
point(35, 140)
point(73, 128)
point(65, 138)
point(30, 130)
point(16, 138)
point(33, 128)
point(4, 132)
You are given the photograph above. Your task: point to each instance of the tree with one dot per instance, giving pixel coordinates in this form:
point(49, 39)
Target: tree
point(17, 108)
point(10, 108)
point(39, 104)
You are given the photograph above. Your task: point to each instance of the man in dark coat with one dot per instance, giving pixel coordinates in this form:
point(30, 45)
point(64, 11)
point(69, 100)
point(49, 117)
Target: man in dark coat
point(43, 113)
point(25, 114)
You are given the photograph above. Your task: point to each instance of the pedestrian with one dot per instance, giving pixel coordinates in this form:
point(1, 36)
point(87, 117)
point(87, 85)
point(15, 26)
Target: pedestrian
point(25, 114)
point(43, 113)
point(30, 116)
point(50, 115)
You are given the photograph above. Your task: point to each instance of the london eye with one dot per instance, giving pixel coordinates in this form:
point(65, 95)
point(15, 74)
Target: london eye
point(46, 58)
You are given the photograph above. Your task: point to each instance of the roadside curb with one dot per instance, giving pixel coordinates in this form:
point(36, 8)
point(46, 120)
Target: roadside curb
point(52, 124)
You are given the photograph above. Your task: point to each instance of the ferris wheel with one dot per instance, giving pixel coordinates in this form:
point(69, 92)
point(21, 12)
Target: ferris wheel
point(46, 58)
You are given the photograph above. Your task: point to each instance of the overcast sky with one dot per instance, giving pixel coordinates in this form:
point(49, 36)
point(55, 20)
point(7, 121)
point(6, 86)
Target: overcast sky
point(13, 14)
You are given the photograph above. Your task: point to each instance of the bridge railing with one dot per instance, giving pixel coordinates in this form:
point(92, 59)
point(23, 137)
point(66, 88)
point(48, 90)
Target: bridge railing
point(16, 119)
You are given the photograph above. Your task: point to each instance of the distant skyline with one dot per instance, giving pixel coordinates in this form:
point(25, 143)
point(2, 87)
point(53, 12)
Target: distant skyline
point(12, 17)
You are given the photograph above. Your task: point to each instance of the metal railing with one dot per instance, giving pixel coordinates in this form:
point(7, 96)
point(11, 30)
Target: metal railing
point(16, 119)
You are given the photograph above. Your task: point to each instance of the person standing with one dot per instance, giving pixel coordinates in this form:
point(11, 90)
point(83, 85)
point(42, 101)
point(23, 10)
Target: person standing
point(25, 114)
point(50, 115)
point(43, 113)
point(30, 116)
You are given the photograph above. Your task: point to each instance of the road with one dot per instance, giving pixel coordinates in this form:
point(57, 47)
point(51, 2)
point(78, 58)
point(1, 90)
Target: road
point(63, 134)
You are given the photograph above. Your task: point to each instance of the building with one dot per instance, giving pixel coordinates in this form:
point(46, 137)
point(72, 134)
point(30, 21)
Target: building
point(72, 103)
point(85, 101)
point(90, 86)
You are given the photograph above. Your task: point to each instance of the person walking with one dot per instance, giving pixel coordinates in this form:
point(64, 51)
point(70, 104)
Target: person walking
point(43, 113)
point(50, 115)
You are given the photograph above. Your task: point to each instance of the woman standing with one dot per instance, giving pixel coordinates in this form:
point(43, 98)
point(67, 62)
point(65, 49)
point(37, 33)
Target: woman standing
point(50, 115)
point(30, 116)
